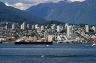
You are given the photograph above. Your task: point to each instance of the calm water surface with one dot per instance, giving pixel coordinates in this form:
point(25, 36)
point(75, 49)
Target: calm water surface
point(61, 53)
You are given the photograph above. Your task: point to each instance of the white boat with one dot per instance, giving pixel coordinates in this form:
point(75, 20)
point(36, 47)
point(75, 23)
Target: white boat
point(94, 44)
point(2, 40)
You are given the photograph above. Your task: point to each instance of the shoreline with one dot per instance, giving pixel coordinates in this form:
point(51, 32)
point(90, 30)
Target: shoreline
point(45, 43)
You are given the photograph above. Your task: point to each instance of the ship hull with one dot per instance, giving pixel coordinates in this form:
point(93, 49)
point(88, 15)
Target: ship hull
point(37, 43)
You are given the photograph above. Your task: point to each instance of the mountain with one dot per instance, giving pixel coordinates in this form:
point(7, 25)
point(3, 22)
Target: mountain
point(75, 12)
point(53, 22)
point(11, 14)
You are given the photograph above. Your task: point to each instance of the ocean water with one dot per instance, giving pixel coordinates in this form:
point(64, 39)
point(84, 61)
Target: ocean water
point(58, 53)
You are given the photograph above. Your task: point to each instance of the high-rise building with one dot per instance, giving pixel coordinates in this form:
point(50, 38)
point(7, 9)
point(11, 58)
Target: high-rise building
point(36, 26)
point(53, 26)
point(13, 26)
point(23, 26)
point(69, 31)
point(28, 26)
point(33, 26)
point(6, 27)
point(42, 28)
point(66, 24)
point(86, 28)
point(93, 28)
point(59, 28)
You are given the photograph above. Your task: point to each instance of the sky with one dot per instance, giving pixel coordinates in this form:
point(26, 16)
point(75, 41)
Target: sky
point(24, 4)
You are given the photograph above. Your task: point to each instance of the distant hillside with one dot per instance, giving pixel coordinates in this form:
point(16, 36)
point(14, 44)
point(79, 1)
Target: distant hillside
point(76, 12)
point(53, 22)
point(11, 14)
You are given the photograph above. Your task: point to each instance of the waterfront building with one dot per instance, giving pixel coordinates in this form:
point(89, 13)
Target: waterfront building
point(59, 38)
point(50, 38)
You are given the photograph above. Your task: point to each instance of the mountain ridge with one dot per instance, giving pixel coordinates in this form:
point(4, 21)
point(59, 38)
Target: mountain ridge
point(10, 14)
point(76, 12)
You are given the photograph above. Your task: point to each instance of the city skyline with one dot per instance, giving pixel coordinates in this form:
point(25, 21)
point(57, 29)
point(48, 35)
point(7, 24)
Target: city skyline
point(47, 31)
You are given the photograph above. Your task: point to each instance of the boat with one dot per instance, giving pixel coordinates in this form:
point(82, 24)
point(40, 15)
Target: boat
point(94, 44)
point(0, 42)
point(36, 43)
point(25, 40)
point(21, 41)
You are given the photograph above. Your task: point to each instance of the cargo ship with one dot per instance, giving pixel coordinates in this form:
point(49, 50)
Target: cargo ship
point(21, 41)
point(36, 43)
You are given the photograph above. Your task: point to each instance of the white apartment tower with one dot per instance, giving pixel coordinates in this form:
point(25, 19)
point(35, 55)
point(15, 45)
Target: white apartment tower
point(6, 27)
point(59, 28)
point(53, 26)
point(66, 24)
point(86, 28)
point(28, 26)
point(69, 30)
point(93, 28)
point(13, 26)
point(33, 26)
point(42, 28)
point(36, 26)
point(23, 26)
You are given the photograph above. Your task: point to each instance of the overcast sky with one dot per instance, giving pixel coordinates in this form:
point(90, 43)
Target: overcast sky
point(24, 4)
